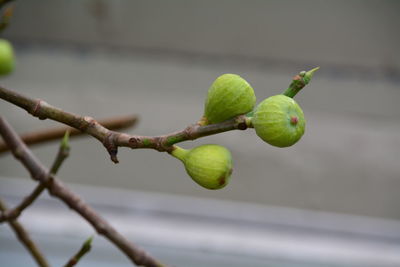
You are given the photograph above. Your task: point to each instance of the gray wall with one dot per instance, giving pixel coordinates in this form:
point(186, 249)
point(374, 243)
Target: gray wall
point(158, 58)
point(354, 33)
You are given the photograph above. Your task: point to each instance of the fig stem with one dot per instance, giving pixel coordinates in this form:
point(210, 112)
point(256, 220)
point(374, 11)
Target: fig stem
point(179, 152)
point(299, 81)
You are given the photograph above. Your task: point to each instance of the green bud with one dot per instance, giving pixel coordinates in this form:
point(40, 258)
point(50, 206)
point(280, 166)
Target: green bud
point(229, 96)
point(6, 57)
point(279, 121)
point(209, 165)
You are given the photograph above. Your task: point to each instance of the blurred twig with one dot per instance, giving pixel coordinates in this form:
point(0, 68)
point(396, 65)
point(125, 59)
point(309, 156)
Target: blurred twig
point(114, 123)
point(6, 18)
point(62, 154)
point(57, 189)
point(84, 249)
point(25, 239)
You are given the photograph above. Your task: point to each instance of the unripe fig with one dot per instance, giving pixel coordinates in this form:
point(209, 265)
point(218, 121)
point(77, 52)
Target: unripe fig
point(209, 165)
point(6, 57)
point(279, 121)
point(229, 95)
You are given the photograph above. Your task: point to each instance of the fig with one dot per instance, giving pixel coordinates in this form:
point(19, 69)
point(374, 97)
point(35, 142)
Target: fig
point(229, 95)
point(210, 166)
point(279, 121)
point(6, 57)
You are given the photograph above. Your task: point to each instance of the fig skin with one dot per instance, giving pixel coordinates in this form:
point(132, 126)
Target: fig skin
point(279, 121)
point(210, 166)
point(6, 57)
point(229, 95)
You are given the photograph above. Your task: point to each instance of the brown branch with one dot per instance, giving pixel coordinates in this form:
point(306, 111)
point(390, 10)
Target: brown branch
point(57, 189)
point(112, 140)
point(84, 249)
point(63, 153)
point(25, 239)
point(114, 123)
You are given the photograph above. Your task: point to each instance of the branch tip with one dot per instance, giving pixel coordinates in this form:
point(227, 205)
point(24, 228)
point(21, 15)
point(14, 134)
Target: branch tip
point(87, 245)
point(309, 74)
point(299, 82)
point(65, 141)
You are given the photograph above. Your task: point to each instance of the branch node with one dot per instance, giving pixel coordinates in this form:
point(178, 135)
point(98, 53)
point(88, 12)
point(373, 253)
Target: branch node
point(242, 125)
point(18, 152)
point(110, 145)
point(134, 141)
point(190, 131)
point(90, 122)
point(160, 144)
point(36, 110)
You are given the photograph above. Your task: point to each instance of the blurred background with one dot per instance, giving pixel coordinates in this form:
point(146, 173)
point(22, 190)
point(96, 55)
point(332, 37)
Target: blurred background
point(330, 200)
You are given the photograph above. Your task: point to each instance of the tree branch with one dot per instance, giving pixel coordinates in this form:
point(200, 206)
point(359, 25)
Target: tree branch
point(84, 249)
point(112, 140)
point(57, 189)
point(62, 154)
point(114, 123)
point(25, 239)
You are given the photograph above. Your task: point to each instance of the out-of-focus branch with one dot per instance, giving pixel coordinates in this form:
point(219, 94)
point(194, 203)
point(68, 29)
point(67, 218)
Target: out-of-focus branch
point(114, 123)
point(25, 239)
point(4, 2)
point(12, 214)
point(84, 249)
point(62, 154)
point(57, 189)
point(6, 17)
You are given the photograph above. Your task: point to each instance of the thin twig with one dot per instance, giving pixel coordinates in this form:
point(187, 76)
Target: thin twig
point(25, 239)
point(84, 249)
point(57, 189)
point(114, 123)
point(62, 154)
point(14, 213)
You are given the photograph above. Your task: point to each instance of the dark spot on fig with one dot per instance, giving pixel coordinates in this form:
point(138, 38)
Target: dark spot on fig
point(222, 180)
point(294, 120)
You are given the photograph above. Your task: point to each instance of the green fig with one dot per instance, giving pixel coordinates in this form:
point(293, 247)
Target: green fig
point(229, 96)
point(209, 165)
point(279, 121)
point(6, 57)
